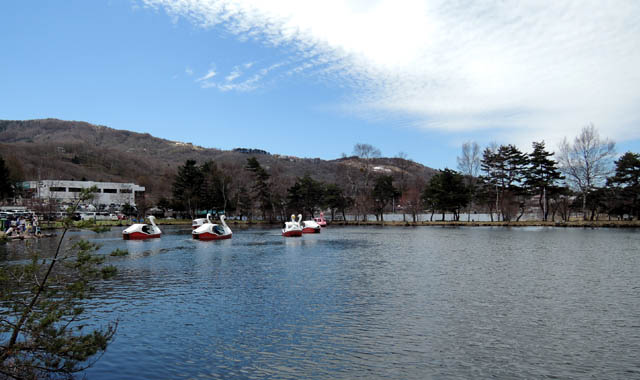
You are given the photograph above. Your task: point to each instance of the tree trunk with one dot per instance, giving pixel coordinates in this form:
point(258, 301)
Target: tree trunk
point(521, 213)
point(541, 205)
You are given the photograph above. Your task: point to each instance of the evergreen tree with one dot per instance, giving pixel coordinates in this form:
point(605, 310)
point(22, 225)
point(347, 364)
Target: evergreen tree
point(243, 203)
point(505, 168)
point(41, 324)
point(187, 186)
point(261, 189)
point(383, 193)
point(6, 187)
point(306, 194)
point(215, 187)
point(430, 195)
point(335, 199)
point(446, 192)
point(542, 175)
point(626, 182)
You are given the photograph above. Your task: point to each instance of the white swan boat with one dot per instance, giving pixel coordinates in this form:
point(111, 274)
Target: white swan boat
point(198, 222)
point(211, 231)
point(292, 228)
point(310, 227)
point(142, 231)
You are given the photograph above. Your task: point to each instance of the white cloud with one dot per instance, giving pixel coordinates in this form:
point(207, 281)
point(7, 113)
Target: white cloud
point(188, 71)
point(230, 82)
point(244, 86)
point(530, 69)
point(235, 73)
point(210, 74)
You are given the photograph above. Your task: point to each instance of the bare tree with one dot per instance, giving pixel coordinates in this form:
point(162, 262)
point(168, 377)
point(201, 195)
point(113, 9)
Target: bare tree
point(366, 153)
point(469, 166)
point(403, 162)
point(586, 162)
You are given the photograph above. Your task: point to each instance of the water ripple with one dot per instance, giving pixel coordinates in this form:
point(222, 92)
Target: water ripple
point(374, 303)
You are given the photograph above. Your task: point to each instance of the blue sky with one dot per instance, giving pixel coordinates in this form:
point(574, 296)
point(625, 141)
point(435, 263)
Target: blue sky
point(313, 79)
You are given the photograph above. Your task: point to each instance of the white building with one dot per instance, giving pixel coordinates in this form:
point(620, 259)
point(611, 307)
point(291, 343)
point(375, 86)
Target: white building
point(68, 191)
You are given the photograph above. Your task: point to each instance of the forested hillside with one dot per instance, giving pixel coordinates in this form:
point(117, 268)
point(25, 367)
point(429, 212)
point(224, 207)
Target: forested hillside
point(57, 149)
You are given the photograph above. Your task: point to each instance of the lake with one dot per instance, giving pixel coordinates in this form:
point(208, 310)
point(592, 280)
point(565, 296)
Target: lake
point(374, 303)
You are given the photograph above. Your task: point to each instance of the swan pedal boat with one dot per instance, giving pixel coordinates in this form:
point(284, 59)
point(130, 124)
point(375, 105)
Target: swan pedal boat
point(198, 222)
point(142, 231)
point(211, 231)
point(310, 227)
point(292, 228)
point(322, 222)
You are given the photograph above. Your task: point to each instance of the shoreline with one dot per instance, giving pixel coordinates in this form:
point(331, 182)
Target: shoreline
point(529, 223)
point(371, 223)
point(446, 223)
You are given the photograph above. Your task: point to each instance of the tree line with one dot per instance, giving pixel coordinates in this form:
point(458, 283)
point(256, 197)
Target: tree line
point(582, 177)
point(261, 195)
point(258, 192)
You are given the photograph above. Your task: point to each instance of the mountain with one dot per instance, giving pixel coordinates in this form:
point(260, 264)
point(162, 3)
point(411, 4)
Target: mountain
point(58, 149)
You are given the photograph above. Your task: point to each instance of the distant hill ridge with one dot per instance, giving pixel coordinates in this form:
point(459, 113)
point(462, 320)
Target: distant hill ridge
point(59, 149)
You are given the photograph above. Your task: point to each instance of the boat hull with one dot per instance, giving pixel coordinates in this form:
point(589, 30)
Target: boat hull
point(140, 236)
point(310, 230)
point(295, 233)
point(206, 236)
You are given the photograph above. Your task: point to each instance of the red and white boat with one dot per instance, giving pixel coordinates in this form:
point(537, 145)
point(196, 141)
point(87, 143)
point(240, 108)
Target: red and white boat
point(310, 227)
point(292, 228)
point(321, 220)
point(142, 231)
point(211, 231)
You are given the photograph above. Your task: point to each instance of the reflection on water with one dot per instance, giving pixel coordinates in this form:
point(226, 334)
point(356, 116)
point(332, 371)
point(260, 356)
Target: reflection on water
point(355, 302)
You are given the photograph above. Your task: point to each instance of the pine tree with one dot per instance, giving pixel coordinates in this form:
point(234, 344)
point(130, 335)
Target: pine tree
point(542, 176)
point(6, 187)
point(42, 334)
point(505, 168)
point(383, 193)
point(446, 192)
point(187, 186)
point(261, 188)
point(626, 182)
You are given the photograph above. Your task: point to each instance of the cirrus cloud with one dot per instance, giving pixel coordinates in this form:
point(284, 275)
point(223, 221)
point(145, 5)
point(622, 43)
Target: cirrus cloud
point(523, 70)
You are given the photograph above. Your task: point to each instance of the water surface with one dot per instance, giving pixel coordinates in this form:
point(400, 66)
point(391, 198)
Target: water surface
point(375, 303)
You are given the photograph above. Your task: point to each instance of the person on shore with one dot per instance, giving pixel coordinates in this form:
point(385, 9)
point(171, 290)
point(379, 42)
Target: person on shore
point(27, 227)
point(36, 227)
